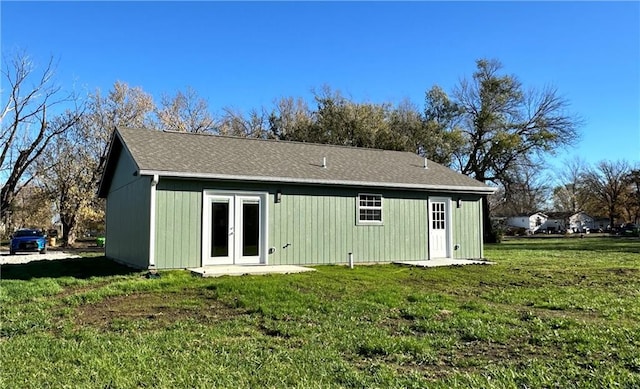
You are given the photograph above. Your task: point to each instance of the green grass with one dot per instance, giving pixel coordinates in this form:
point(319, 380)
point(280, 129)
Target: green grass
point(559, 313)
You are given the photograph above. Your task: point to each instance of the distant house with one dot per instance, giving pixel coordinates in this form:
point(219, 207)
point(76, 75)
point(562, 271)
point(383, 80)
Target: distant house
point(181, 200)
point(571, 222)
point(601, 223)
point(554, 222)
point(557, 222)
point(581, 222)
point(530, 222)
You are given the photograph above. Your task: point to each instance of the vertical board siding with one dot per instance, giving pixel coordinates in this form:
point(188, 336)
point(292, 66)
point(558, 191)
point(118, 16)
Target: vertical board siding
point(467, 231)
point(179, 224)
point(321, 229)
point(317, 223)
point(128, 215)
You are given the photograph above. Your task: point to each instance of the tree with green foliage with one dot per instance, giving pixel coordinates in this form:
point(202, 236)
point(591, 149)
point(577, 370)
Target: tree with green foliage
point(440, 136)
point(289, 119)
point(338, 120)
point(500, 126)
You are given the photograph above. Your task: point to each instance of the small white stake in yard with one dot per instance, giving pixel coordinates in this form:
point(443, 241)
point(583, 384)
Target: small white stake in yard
point(350, 260)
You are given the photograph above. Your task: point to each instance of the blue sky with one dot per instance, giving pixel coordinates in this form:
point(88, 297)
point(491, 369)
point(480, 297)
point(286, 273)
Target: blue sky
point(245, 55)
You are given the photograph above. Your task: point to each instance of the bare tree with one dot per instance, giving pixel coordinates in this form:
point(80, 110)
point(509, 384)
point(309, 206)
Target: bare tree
point(525, 190)
point(185, 112)
point(32, 207)
point(632, 198)
point(71, 181)
point(609, 182)
point(122, 106)
point(79, 154)
point(26, 129)
point(234, 123)
point(571, 194)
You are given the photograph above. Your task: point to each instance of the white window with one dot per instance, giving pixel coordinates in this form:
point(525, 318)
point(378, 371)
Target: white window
point(438, 216)
point(369, 208)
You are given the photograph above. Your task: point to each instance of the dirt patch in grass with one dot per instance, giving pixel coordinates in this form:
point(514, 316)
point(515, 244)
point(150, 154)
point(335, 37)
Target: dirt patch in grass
point(70, 291)
point(154, 310)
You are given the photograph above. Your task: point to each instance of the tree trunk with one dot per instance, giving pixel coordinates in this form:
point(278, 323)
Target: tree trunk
point(5, 204)
point(487, 226)
point(68, 230)
point(611, 222)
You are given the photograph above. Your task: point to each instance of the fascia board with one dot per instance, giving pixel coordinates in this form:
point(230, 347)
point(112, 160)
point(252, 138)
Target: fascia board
point(310, 181)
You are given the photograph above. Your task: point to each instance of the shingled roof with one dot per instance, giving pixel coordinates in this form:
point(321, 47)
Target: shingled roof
point(186, 155)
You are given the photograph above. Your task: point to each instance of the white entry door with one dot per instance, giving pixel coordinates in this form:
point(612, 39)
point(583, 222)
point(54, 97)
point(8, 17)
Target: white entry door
point(439, 228)
point(233, 230)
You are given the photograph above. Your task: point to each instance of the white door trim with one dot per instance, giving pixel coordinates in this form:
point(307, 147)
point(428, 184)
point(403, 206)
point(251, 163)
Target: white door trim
point(239, 258)
point(448, 235)
point(236, 199)
point(207, 258)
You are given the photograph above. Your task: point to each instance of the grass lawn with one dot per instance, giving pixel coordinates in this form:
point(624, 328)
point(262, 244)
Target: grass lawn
point(559, 313)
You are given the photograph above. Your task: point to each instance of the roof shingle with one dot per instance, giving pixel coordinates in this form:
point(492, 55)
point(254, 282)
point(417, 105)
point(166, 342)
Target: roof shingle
point(189, 155)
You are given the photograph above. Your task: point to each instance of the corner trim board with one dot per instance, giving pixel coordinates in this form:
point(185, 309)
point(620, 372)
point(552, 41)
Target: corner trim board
point(152, 221)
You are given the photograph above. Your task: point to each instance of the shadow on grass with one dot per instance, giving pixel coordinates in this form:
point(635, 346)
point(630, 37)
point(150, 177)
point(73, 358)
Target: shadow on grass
point(71, 267)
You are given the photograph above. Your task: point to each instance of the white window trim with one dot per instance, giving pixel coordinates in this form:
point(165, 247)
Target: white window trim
point(369, 222)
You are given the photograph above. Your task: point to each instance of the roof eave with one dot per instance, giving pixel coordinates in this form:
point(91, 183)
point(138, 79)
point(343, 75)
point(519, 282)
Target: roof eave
point(111, 159)
point(486, 190)
point(105, 179)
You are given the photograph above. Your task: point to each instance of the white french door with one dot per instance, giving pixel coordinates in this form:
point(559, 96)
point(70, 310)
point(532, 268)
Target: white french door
point(439, 229)
point(233, 229)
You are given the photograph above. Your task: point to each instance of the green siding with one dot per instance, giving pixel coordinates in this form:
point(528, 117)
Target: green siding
point(128, 206)
point(178, 224)
point(319, 226)
point(318, 223)
point(467, 223)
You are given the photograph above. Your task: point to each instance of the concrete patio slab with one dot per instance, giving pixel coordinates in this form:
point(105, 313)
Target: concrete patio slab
point(239, 270)
point(444, 262)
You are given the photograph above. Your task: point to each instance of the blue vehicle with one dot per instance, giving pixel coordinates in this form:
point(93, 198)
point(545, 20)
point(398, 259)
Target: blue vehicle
point(28, 240)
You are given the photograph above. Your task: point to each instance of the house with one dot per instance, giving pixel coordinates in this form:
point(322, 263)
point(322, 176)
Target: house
point(181, 200)
point(571, 222)
point(557, 222)
point(581, 222)
point(531, 222)
point(554, 222)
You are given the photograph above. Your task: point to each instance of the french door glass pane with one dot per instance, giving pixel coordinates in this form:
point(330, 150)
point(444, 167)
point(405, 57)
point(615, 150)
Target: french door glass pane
point(220, 229)
point(250, 228)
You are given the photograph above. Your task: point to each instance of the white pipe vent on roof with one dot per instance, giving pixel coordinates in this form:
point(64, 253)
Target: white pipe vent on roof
point(324, 162)
point(425, 163)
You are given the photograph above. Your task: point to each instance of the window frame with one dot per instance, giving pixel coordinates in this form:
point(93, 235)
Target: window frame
point(361, 222)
